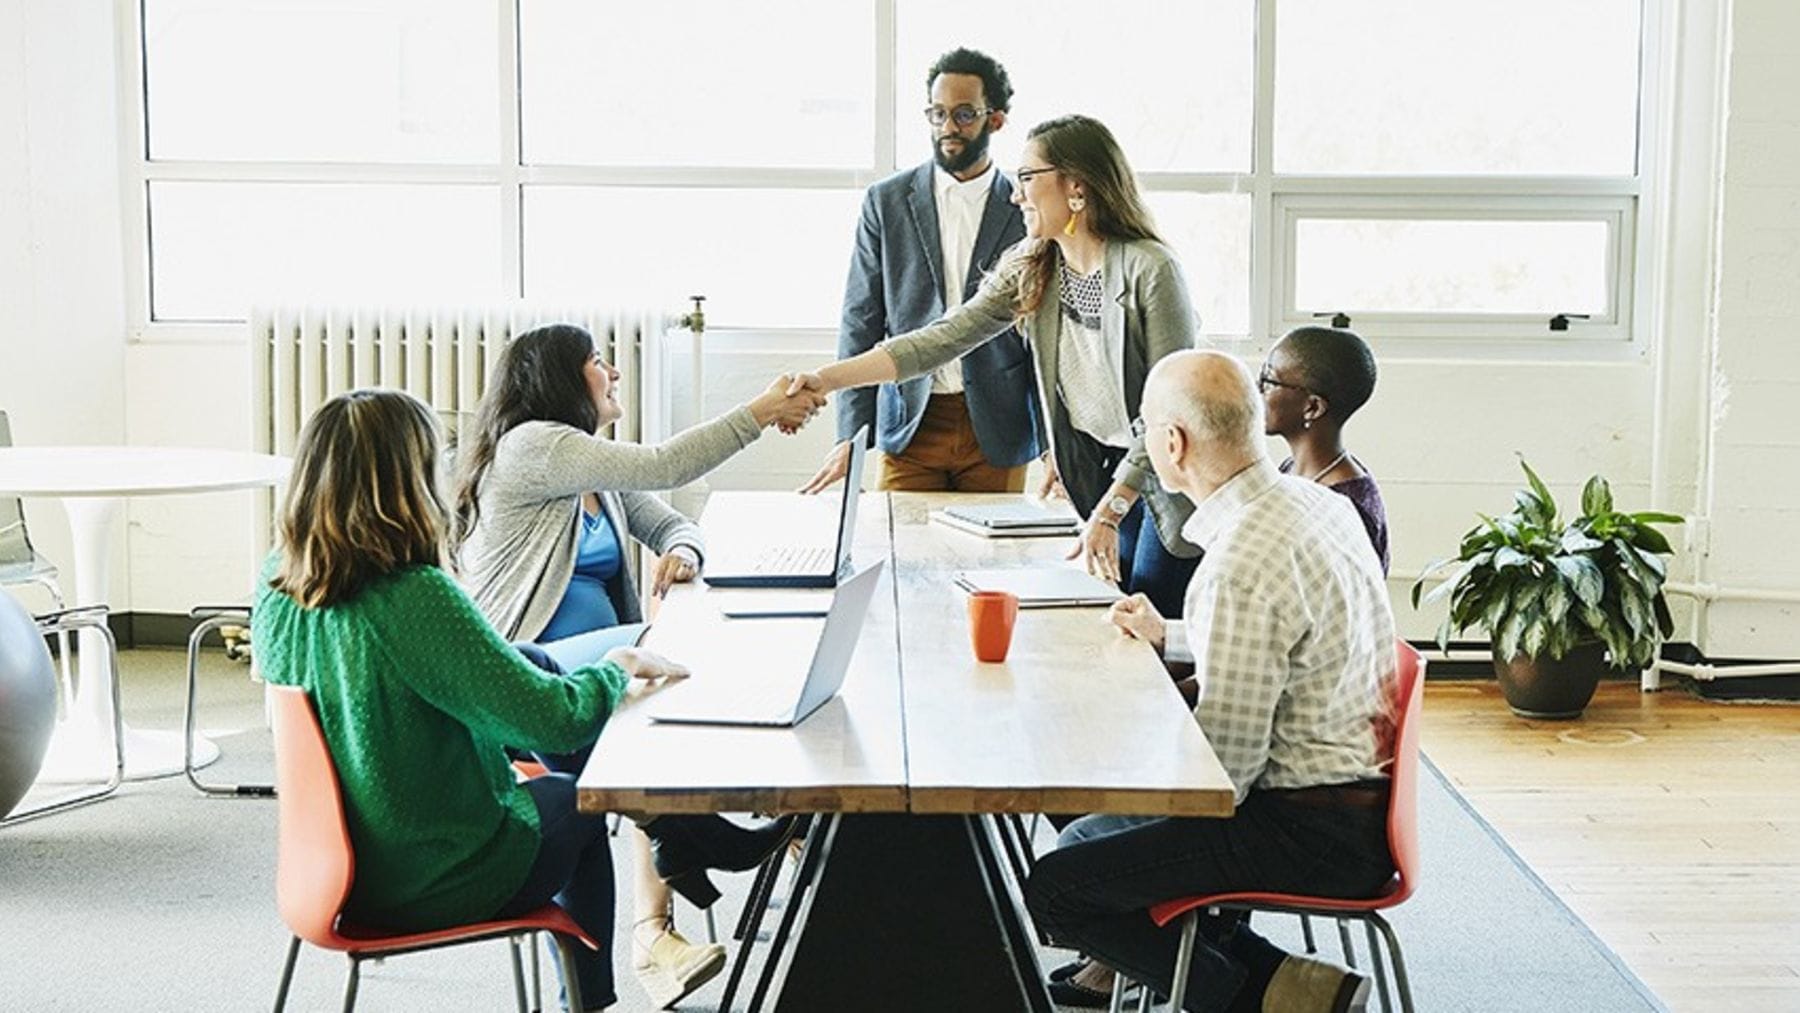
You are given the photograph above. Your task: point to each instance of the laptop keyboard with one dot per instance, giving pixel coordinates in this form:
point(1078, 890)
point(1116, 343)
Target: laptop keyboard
point(794, 559)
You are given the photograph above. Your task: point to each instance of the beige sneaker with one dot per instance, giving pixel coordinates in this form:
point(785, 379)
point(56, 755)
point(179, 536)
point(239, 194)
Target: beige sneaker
point(1303, 985)
point(668, 966)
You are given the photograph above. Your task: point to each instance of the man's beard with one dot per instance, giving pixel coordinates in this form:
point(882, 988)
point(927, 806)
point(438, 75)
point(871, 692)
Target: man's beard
point(973, 151)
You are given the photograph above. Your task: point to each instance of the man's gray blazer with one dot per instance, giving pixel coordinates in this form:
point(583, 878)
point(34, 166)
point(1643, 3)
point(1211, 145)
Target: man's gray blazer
point(896, 285)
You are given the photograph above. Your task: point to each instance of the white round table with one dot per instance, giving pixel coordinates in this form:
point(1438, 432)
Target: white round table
point(91, 482)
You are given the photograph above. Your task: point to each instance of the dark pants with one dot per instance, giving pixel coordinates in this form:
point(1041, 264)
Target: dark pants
point(1146, 566)
point(1093, 891)
point(573, 864)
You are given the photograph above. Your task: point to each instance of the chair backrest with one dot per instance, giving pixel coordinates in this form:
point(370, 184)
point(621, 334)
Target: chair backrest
point(15, 542)
point(1403, 805)
point(314, 865)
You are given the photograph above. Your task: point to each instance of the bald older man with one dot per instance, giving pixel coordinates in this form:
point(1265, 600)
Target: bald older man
point(1288, 626)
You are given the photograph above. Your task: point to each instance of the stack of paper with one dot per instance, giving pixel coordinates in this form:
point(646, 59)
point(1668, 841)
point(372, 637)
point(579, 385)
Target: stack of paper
point(1009, 519)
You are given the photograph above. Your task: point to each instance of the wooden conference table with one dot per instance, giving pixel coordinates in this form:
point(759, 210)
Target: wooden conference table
point(908, 903)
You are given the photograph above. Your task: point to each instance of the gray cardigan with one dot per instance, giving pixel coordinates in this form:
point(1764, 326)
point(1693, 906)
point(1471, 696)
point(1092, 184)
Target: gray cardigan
point(517, 561)
point(1146, 316)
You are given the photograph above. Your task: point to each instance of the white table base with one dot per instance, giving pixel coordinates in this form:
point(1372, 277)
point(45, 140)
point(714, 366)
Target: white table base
point(81, 748)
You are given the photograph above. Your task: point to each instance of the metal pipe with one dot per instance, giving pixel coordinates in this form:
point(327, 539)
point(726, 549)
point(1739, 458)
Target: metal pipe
point(1705, 672)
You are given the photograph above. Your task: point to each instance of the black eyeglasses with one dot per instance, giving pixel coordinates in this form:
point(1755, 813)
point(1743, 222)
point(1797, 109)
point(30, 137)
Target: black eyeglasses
point(965, 115)
point(1266, 380)
point(1024, 176)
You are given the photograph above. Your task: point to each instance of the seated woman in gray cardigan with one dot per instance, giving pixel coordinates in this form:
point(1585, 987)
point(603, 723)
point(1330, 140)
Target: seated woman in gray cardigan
point(544, 504)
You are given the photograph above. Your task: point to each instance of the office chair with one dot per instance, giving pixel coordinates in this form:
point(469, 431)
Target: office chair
point(315, 865)
point(1403, 844)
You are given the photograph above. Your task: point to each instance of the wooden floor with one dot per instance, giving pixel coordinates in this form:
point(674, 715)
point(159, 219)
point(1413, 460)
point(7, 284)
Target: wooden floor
point(1670, 824)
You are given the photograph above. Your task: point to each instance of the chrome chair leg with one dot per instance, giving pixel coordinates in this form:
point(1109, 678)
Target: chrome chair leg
point(518, 970)
point(287, 975)
point(1184, 959)
point(1344, 939)
point(87, 617)
point(351, 983)
point(1381, 984)
point(537, 976)
point(565, 959)
point(211, 620)
point(1118, 994)
point(1401, 983)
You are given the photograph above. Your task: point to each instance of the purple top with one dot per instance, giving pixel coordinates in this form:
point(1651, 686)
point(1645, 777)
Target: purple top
point(1365, 495)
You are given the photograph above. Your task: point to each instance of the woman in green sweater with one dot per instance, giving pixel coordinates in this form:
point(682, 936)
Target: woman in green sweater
point(418, 696)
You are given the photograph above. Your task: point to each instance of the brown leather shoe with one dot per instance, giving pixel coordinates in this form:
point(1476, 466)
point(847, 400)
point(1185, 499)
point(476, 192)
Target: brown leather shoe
point(1304, 985)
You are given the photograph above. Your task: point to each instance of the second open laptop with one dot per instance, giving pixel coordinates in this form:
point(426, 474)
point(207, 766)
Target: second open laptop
point(728, 686)
point(792, 556)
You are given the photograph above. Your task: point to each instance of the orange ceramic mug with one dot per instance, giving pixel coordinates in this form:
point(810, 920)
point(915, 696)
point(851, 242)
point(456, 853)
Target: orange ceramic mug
point(991, 618)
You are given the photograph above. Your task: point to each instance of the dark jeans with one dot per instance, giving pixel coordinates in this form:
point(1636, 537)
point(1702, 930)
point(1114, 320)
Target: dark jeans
point(1145, 565)
point(1093, 891)
point(573, 864)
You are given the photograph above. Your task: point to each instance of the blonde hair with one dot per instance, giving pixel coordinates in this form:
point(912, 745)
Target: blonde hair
point(363, 500)
point(1082, 149)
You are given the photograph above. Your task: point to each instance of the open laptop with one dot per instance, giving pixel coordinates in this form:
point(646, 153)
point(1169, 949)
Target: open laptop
point(726, 689)
point(793, 556)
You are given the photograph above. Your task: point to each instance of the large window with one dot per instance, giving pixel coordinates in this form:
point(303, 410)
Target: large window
point(1439, 172)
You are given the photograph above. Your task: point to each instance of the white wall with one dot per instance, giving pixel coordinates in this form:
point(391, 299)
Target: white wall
point(1441, 434)
point(1754, 492)
point(62, 304)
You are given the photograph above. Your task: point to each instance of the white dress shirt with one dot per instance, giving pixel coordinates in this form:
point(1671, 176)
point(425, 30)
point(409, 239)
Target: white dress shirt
point(959, 207)
point(1288, 625)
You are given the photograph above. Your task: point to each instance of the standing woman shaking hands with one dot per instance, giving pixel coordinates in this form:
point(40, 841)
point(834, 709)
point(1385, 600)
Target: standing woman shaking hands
point(1100, 299)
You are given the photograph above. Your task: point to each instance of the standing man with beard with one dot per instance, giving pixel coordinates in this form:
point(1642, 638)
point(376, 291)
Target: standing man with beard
point(926, 237)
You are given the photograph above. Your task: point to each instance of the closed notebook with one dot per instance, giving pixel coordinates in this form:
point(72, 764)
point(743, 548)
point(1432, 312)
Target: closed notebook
point(1043, 586)
point(1011, 531)
point(1018, 513)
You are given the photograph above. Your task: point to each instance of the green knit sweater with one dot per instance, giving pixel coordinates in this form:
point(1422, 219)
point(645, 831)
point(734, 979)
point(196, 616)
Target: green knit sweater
point(418, 696)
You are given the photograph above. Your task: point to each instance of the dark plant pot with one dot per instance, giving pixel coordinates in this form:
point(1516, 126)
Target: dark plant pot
point(1552, 688)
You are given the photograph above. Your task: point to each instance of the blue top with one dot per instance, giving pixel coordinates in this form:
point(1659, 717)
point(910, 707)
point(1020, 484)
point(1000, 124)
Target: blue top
point(587, 604)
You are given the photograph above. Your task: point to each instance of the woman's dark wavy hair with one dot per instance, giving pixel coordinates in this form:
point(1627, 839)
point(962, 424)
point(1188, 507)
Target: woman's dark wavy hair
point(538, 378)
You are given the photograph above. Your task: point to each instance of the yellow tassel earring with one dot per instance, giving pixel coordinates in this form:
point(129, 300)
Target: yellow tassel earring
point(1076, 206)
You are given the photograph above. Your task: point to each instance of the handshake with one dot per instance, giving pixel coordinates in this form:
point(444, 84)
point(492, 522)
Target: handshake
point(790, 402)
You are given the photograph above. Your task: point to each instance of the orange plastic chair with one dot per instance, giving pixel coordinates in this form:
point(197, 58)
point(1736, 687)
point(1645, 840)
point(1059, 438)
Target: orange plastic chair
point(314, 867)
point(1403, 845)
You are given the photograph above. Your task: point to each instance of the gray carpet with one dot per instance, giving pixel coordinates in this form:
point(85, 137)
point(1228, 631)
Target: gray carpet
point(160, 899)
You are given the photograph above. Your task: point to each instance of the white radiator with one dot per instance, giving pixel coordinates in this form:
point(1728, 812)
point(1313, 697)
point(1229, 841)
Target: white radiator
point(301, 357)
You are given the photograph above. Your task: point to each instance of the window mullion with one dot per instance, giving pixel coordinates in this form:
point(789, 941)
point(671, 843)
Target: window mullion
point(1266, 257)
point(512, 157)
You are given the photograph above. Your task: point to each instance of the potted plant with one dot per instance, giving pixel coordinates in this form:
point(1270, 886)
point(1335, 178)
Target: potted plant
point(1555, 598)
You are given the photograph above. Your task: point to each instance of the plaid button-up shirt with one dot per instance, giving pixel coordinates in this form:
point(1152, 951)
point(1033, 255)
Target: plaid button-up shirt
point(1288, 624)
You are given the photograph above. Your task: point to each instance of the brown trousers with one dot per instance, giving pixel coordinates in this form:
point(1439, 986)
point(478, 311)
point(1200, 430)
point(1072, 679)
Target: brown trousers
point(944, 456)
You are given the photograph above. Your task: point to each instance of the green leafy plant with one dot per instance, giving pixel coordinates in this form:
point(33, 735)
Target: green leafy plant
point(1540, 587)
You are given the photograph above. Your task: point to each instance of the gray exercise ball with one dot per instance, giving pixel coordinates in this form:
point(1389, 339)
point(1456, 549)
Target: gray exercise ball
point(27, 701)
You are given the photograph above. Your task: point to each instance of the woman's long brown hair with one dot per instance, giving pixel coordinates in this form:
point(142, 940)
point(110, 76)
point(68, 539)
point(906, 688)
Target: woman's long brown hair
point(363, 500)
point(1081, 148)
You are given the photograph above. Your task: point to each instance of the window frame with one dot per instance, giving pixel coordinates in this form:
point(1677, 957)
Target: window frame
point(1277, 201)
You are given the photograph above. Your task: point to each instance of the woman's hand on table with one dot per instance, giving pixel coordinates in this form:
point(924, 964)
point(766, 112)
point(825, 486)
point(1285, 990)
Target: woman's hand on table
point(648, 665)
